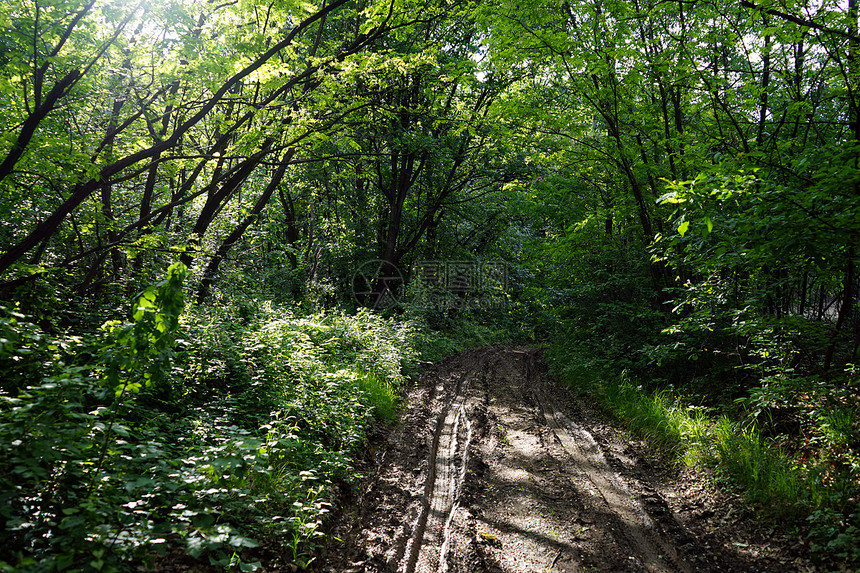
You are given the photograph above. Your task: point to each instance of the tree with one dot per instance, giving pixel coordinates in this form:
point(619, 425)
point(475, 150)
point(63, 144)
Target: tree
point(205, 105)
point(418, 139)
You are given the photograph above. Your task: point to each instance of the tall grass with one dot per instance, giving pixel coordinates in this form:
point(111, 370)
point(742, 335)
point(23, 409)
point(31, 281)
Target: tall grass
point(380, 396)
point(738, 451)
point(760, 468)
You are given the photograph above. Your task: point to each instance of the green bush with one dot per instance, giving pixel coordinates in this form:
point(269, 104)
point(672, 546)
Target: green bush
point(68, 443)
point(208, 433)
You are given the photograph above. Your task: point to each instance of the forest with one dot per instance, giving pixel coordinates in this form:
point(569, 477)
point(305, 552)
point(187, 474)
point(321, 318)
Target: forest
point(231, 232)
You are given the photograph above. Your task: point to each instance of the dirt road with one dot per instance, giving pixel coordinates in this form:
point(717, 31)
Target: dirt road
point(497, 468)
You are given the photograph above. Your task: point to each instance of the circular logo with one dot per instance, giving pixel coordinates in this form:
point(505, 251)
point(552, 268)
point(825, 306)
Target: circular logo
point(375, 284)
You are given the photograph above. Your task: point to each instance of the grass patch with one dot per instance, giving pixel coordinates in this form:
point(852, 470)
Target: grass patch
point(759, 468)
point(813, 490)
point(381, 396)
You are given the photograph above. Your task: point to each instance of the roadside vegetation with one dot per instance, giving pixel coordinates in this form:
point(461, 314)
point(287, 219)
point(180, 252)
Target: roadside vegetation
point(204, 433)
point(788, 442)
point(219, 434)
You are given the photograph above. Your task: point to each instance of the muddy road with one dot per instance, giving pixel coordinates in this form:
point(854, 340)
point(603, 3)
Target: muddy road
point(495, 467)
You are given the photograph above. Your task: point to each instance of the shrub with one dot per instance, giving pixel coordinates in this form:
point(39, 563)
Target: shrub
point(209, 434)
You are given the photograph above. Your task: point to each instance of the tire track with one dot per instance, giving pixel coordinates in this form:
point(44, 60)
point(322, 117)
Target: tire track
point(655, 553)
point(428, 545)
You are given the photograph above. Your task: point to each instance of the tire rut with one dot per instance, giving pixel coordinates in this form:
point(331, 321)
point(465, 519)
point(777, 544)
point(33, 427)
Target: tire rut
point(441, 489)
point(427, 547)
point(495, 468)
point(655, 553)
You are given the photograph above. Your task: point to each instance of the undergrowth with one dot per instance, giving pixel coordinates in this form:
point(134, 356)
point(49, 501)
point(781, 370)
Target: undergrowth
point(815, 489)
point(201, 435)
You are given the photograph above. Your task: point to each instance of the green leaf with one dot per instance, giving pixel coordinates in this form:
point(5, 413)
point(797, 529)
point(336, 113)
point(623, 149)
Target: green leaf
point(196, 546)
point(682, 228)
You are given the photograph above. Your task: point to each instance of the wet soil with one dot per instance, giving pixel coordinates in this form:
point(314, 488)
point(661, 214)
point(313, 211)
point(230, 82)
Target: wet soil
point(495, 467)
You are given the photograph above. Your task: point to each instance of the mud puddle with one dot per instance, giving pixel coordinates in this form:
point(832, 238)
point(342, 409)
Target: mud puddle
point(497, 468)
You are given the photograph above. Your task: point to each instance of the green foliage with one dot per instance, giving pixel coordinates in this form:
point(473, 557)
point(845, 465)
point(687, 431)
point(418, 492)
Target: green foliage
point(331, 373)
point(573, 139)
point(836, 534)
point(603, 302)
point(203, 434)
point(306, 388)
point(70, 449)
point(817, 484)
point(139, 354)
point(295, 396)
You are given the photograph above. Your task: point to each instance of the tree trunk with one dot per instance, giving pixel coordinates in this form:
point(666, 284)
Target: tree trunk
point(227, 244)
point(218, 198)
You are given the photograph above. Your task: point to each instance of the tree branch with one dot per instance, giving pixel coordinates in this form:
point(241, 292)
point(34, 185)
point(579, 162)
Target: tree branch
point(801, 21)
